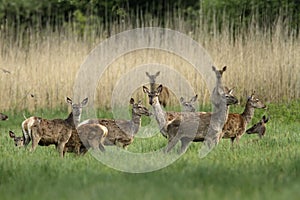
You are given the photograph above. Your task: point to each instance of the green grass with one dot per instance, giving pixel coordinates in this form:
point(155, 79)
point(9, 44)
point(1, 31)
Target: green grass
point(256, 169)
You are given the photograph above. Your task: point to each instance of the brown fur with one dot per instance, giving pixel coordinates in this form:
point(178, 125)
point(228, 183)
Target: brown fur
point(46, 132)
point(3, 117)
point(236, 124)
point(93, 135)
point(186, 126)
point(121, 132)
point(164, 95)
point(259, 128)
point(188, 106)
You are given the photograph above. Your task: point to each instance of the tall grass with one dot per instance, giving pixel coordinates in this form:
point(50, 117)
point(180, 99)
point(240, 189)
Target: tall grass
point(43, 62)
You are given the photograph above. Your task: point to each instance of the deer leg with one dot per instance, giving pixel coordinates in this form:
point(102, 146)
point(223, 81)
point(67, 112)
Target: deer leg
point(35, 142)
point(101, 147)
point(237, 139)
point(172, 142)
point(184, 144)
point(60, 148)
point(232, 141)
point(93, 143)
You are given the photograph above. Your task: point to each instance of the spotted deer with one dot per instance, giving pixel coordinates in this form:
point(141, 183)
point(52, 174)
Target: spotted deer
point(121, 132)
point(45, 132)
point(164, 96)
point(188, 106)
point(259, 128)
point(191, 126)
point(236, 123)
point(3, 117)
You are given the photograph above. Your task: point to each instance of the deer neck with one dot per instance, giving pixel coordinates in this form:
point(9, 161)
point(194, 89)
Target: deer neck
point(152, 86)
point(248, 112)
point(70, 118)
point(135, 122)
point(220, 107)
point(160, 115)
point(73, 120)
point(220, 113)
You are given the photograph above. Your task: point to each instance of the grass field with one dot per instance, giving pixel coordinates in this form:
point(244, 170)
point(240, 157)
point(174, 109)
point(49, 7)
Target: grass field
point(38, 69)
point(256, 169)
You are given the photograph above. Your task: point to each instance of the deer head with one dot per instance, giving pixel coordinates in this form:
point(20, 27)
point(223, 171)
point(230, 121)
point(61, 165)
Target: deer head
point(255, 102)
point(138, 108)
point(259, 128)
point(77, 108)
point(219, 73)
point(188, 106)
point(19, 141)
point(3, 117)
point(230, 98)
point(153, 77)
point(153, 95)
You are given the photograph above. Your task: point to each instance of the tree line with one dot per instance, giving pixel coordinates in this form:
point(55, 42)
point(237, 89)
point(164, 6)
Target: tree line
point(238, 13)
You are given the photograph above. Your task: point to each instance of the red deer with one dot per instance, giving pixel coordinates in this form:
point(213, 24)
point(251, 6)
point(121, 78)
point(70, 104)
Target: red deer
point(236, 123)
point(259, 128)
point(188, 106)
point(3, 117)
point(121, 132)
point(92, 135)
point(192, 126)
point(164, 96)
point(18, 140)
point(45, 132)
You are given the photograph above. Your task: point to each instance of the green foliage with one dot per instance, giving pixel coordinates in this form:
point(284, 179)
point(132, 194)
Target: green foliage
point(256, 169)
point(234, 14)
point(241, 13)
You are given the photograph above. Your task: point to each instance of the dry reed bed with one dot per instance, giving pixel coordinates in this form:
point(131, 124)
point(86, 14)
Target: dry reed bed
point(43, 73)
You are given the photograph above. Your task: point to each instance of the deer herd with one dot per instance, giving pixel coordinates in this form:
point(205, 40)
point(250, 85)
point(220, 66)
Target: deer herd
point(71, 135)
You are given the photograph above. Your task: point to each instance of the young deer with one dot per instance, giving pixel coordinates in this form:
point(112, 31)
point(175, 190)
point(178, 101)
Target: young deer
point(18, 140)
point(192, 126)
point(122, 132)
point(188, 106)
point(164, 96)
point(259, 127)
point(236, 124)
point(45, 132)
point(3, 117)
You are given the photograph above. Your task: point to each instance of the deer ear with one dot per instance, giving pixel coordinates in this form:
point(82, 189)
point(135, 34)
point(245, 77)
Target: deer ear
point(146, 90)
point(224, 68)
point(231, 90)
point(181, 99)
point(147, 74)
point(69, 100)
point(131, 101)
point(193, 99)
point(157, 73)
point(214, 68)
point(159, 88)
point(84, 101)
point(266, 119)
point(12, 134)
